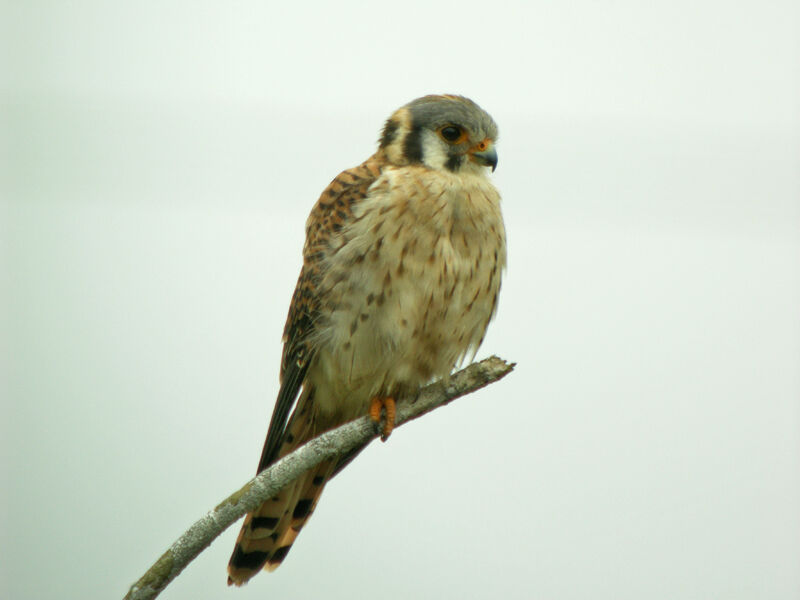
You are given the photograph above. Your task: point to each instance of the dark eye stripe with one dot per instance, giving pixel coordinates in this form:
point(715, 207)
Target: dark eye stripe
point(412, 145)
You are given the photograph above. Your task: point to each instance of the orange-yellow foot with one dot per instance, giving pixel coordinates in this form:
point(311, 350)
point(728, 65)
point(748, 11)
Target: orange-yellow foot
point(387, 404)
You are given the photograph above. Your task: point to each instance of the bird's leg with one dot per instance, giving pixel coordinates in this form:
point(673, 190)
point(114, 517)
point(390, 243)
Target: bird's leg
point(389, 405)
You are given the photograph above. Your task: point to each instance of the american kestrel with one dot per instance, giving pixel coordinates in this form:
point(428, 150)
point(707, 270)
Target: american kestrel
point(401, 272)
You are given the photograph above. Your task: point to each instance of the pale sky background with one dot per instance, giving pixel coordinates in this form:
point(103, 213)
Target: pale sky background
point(160, 159)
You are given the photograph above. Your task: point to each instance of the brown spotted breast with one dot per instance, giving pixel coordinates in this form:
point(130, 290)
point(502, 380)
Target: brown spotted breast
point(408, 285)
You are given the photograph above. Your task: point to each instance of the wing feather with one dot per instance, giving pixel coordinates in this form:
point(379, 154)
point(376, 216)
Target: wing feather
point(332, 211)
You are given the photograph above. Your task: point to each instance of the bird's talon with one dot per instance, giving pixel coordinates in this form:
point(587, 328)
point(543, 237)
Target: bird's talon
point(389, 408)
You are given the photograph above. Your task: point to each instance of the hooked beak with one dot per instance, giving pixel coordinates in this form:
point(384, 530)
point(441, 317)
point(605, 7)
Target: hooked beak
point(486, 157)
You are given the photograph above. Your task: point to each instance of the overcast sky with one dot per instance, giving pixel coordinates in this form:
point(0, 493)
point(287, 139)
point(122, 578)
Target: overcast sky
point(160, 160)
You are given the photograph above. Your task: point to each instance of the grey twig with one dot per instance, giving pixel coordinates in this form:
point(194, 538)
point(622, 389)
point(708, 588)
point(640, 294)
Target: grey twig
point(350, 437)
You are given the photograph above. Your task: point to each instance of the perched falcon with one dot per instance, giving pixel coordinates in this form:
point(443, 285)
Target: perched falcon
point(401, 272)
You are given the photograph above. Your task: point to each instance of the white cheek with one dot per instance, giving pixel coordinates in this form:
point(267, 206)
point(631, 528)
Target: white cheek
point(434, 151)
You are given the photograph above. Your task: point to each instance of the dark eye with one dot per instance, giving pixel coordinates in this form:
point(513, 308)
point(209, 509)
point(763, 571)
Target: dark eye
point(451, 133)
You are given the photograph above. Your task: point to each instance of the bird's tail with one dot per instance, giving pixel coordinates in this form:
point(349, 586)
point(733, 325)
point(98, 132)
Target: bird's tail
point(268, 532)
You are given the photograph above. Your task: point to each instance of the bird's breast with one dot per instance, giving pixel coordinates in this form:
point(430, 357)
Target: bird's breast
point(409, 285)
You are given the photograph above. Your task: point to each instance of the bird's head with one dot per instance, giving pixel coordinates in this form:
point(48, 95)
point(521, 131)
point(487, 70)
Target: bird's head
point(444, 133)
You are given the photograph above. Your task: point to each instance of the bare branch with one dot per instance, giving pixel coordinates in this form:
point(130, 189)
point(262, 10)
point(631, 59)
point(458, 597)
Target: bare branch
point(349, 438)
